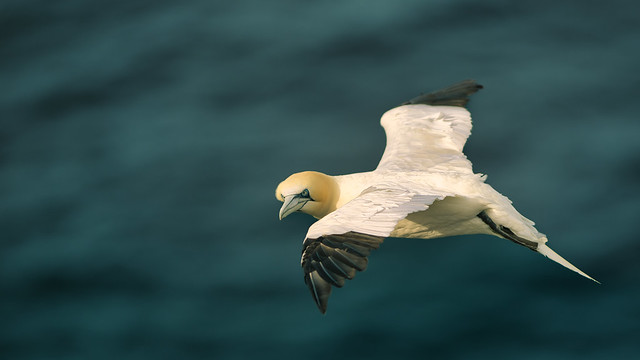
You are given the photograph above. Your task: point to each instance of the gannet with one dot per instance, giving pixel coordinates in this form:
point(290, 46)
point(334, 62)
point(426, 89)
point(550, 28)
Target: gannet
point(424, 187)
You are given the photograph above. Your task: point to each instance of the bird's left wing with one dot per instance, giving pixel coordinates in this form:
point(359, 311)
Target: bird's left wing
point(429, 132)
point(338, 245)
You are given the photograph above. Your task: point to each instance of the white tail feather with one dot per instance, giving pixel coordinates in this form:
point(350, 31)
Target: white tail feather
point(546, 251)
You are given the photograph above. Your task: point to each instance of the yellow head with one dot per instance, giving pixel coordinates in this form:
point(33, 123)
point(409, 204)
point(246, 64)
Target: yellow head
point(310, 192)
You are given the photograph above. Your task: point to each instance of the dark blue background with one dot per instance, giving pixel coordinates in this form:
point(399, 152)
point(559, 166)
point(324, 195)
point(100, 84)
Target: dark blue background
point(141, 143)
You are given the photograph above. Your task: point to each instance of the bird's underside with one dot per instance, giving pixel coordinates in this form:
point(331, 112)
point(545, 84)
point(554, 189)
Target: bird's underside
point(424, 187)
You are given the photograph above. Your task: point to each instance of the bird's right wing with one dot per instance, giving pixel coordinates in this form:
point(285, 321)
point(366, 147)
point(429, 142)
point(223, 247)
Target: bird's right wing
point(338, 245)
point(429, 132)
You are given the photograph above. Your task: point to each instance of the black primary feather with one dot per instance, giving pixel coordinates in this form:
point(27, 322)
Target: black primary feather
point(454, 95)
point(331, 259)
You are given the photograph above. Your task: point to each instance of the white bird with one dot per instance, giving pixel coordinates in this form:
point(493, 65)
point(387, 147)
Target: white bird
point(424, 187)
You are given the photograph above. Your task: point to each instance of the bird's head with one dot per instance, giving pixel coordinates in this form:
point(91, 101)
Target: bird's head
point(310, 192)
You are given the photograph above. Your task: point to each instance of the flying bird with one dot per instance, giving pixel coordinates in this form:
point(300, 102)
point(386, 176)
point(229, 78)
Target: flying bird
point(424, 187)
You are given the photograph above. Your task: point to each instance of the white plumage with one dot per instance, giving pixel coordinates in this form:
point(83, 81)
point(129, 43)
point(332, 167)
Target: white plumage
point(423, 187)
point(426, 138)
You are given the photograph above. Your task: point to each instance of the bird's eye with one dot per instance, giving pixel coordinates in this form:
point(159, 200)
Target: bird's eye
point(304, 193)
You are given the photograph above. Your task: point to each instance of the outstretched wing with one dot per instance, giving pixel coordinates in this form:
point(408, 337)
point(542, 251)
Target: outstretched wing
point(429, 132)
point(338, 245)
point(332, 259)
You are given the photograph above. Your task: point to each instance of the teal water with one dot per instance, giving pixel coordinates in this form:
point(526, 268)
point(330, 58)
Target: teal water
point(141, 143)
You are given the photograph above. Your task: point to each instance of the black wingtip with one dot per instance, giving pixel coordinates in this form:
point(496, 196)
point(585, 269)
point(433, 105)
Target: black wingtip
point(331, 259)
point(320, 290)
point(454, 95)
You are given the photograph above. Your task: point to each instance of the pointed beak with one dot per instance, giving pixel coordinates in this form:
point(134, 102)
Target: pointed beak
point(292, 203)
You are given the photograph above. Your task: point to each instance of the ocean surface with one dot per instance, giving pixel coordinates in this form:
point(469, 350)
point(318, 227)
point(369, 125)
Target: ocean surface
point(141, 143)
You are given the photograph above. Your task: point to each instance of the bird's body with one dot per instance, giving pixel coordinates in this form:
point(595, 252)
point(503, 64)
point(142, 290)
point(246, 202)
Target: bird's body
point(424, 187)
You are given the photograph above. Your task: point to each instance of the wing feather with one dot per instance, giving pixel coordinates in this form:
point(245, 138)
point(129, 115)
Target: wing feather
point(376, 211)
point(330, 260)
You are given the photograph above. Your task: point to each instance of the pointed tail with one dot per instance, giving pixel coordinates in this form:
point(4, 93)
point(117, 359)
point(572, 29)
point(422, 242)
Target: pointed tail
point(546, 251)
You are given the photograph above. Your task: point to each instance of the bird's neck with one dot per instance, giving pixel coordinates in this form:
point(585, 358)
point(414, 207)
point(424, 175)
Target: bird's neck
point(328, 198)
point(351, 186)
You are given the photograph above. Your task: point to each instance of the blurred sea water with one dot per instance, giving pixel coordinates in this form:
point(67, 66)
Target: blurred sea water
point(141, 143)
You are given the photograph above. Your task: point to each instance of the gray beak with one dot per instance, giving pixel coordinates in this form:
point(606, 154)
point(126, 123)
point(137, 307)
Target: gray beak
point(292, 203)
